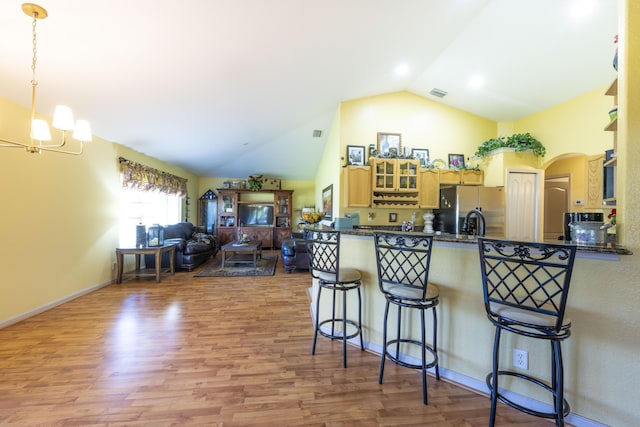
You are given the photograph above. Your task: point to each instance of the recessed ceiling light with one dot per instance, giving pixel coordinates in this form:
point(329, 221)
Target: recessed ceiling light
point(402, 70)
point(476, 82)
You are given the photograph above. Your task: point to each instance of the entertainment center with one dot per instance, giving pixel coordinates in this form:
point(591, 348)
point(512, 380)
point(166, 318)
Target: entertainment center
point(264, 215)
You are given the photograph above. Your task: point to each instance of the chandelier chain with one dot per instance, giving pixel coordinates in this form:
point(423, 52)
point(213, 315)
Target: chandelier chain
point(35, 49)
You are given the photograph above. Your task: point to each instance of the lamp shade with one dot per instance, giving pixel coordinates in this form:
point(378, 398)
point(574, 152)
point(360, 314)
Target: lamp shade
point(40, 130)
point(82, 131)
point(63, 118)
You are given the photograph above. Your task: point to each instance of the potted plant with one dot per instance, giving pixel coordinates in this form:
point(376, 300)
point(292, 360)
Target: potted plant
point(519, 142)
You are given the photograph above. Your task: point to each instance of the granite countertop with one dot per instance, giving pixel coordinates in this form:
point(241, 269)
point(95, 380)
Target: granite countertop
point(604, 248)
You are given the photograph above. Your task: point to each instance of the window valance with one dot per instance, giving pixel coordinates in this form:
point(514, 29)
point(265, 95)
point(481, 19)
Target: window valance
point(144, 178)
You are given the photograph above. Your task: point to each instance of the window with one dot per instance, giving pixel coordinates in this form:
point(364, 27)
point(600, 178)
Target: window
point(148, 208)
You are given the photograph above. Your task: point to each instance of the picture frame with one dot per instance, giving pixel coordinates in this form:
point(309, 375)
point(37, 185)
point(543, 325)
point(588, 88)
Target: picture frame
point(393, 217)
point(456, 161)
point(421, 154)
point(327, 202)
point(356, 155)
point(389, 144)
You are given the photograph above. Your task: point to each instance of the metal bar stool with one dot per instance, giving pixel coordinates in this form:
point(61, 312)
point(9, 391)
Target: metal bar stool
point(403, 271)
point(324, 262)
point(525, 287)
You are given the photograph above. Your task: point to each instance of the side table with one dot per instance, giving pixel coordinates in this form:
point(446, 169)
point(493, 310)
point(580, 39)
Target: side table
point(147, 250)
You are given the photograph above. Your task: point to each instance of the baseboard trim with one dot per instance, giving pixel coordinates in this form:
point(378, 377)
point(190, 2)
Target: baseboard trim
point(53, 304)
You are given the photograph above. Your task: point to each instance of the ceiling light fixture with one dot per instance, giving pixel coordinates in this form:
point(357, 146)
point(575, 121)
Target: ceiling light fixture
point(62, 118)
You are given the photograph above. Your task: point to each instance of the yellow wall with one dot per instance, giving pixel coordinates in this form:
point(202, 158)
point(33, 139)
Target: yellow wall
point(60, 217)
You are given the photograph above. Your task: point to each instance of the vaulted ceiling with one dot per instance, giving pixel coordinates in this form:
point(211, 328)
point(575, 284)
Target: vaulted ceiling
point(230, 88)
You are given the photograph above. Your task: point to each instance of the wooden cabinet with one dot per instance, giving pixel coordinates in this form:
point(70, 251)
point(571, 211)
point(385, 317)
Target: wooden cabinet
point(395, 183)
point(429, 189)
point(471, 177)
point(264, 234)
point(357, 186)
point(208, 210)
point(449, 177)
point(272, 207)
point(610, 164)
point(594, 182)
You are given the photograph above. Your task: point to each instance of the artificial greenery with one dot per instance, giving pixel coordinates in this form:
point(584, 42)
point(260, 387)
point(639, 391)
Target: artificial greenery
point(519, 141)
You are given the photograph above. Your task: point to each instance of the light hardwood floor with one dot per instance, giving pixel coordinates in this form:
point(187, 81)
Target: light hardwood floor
point(214, 352)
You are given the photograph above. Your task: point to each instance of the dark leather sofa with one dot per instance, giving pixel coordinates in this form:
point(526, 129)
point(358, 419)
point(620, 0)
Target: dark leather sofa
point(295, 255)
point(193, 246)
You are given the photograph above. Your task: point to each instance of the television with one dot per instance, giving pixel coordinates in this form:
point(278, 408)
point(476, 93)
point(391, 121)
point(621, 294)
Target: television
point(255, 214)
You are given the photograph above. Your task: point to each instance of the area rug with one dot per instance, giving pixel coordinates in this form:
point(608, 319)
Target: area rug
point(265, 267)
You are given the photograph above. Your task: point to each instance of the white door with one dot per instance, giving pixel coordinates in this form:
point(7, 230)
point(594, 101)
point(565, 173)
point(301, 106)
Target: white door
point(523, 204)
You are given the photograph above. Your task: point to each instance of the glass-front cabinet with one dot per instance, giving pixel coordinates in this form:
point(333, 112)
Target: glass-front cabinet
point(395, 183)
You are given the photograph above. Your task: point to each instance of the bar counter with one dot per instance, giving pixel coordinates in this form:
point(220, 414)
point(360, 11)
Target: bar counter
point(465, 335)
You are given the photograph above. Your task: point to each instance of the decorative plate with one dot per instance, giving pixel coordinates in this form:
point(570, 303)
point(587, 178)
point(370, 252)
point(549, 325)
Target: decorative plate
point(439, 164)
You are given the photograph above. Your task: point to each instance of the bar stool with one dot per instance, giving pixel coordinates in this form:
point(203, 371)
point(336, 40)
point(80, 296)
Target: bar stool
point(324, 262)
point(525, 287)
point(403, 271)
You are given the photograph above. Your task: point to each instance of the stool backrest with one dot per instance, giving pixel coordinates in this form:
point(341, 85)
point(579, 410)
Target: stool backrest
point(403, 261)
point(324, 252)
point(526, 275)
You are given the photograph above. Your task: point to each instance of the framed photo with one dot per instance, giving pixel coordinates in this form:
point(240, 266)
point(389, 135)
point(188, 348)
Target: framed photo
point(355, 155)
point(389, 144)
point(327, 202)
point(421, 154)
point(456, 161)
point(393, 217)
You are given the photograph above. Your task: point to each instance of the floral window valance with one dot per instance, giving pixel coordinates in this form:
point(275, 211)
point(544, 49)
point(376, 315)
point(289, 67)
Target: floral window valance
point(143, 178)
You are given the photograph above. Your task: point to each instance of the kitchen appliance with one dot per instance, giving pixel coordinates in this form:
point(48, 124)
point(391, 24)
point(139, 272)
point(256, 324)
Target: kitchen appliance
point(589, 232)
point(456, 202)
point(575, 217)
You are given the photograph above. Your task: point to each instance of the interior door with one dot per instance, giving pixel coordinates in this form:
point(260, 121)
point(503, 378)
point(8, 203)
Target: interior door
point(556, 203)
point(523, 204)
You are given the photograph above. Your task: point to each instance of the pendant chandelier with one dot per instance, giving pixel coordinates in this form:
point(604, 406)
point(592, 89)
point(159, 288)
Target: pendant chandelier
point(62, 118)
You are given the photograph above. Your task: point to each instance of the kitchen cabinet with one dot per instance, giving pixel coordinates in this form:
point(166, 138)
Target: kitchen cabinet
point(395, 183)
point(609, 170)
point(429, 189)
point(471, 177)
point(449, 177)
point(594, 181)
point(357, 183)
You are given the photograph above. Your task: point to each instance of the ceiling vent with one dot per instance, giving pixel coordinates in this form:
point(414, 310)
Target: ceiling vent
point(438, 92)
point(317, 133)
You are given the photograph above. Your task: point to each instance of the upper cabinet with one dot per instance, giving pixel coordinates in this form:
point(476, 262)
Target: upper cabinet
point(429, 189)
point(395, 183)
point(357, 183)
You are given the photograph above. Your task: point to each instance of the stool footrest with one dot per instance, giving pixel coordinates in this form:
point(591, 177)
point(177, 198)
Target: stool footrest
point(521, 408)
point(396, 359)
point(338, 335)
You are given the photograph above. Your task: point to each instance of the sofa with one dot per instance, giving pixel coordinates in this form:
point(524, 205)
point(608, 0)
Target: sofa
point(193, 246)
point(295, 254)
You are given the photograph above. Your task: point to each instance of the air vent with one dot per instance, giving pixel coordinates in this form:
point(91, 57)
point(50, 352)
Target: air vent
point(438, 92)
point(317, 133)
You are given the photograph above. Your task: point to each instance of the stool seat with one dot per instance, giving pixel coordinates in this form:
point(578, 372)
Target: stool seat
point(403, 292)
point(345, 275)
point(526, 317)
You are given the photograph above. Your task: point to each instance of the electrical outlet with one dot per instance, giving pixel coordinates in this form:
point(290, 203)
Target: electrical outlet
point(521, 359)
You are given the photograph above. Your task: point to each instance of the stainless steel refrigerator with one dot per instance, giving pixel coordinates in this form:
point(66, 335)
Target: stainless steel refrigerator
point(456, 202)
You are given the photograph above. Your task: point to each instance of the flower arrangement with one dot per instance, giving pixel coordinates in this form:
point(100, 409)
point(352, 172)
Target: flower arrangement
point(255, 182)
point(612, 217)
point(312, 217)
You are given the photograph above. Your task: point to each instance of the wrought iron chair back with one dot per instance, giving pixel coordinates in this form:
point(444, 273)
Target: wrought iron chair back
point(528, 276)
point(403, 265)
point(324, 253)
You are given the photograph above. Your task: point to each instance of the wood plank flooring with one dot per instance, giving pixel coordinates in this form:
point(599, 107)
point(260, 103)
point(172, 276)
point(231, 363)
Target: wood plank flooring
point(211, 352)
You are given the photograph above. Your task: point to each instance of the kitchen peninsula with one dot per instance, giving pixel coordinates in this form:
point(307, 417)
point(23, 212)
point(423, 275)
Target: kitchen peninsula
point(465, 336)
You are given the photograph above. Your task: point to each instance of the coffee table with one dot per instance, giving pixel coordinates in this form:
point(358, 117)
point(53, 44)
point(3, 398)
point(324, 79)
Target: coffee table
point(242, 252)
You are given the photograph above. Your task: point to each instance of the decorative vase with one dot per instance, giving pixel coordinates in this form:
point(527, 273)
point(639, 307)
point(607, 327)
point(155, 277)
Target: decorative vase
point(428, 222)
